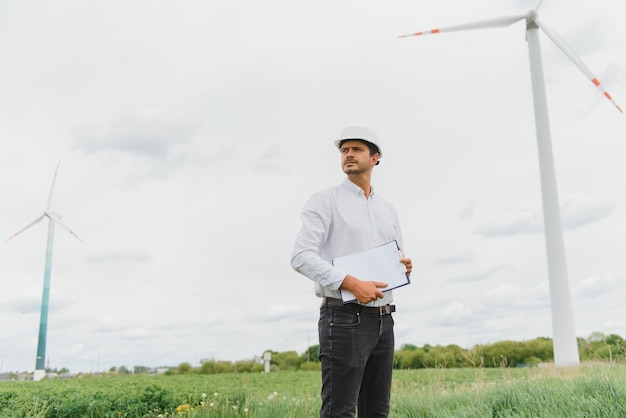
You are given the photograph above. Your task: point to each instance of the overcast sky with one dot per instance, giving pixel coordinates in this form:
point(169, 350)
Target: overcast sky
point(190, 135)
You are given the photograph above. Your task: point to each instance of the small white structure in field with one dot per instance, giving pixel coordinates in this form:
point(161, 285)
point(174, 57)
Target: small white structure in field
point(267, 356)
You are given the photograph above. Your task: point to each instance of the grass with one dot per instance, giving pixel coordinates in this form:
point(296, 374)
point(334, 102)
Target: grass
point(587, 391)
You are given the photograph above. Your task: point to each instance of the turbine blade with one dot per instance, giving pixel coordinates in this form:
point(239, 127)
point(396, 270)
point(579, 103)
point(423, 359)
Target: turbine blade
point(560, 42)
point(61, 224)
point(25, 228)
point(54, 179)
point(482, 24)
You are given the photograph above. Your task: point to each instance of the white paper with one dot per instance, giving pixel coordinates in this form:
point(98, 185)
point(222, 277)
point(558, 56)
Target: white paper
point(379, 264)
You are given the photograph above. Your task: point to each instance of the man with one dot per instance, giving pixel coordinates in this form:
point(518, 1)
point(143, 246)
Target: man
point(356, 339)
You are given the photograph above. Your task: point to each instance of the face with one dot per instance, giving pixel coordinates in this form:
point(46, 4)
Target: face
point(356, 158)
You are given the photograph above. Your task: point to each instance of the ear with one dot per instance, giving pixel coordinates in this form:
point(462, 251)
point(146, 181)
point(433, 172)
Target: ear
point(375, 159)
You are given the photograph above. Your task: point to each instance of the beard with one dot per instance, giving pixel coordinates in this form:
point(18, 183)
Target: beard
point(355, 168)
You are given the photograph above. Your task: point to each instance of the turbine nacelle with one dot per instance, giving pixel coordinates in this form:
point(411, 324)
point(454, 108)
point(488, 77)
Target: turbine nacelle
point(531, 15)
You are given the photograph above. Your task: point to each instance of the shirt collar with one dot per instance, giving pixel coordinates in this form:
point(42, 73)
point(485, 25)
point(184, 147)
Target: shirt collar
point(353, 188)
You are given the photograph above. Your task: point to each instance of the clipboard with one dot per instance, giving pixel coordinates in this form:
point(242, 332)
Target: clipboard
point(380, 264)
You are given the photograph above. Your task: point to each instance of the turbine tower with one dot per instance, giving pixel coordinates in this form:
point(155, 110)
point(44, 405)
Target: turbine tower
point(565, 343)
point(40, 369)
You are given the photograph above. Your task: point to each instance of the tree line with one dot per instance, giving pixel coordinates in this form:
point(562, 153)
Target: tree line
point(597, 347)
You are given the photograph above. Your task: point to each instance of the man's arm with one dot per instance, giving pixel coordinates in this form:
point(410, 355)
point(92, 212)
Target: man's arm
point(305, 259)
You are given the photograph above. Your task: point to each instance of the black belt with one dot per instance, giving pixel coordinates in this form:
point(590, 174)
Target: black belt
point(376, 310)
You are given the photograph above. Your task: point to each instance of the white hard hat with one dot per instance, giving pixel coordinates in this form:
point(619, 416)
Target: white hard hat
point(359, 132)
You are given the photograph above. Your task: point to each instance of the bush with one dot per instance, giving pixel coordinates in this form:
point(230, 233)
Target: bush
point(311, 366)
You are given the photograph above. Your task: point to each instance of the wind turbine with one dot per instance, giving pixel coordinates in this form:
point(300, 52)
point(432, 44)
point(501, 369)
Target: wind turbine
point(40, 369)
point(565, 344)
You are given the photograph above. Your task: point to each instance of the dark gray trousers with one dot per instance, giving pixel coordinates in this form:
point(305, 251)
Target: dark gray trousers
point(356, 351)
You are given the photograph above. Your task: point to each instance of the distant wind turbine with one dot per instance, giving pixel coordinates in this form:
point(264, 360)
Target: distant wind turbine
point(40, 369)
point(565, 343)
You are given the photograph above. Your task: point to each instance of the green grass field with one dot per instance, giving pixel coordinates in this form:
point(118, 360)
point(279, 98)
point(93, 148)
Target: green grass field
point(587, 391)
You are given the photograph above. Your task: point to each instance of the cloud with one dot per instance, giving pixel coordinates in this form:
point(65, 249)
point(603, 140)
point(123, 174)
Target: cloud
point(127, 330)
point(75, 350)
point(468, 209)
point(466, 256)
point(31, 304)
point(478, 275)
point(120, 258)
point(524, 220)
point(454, 313)
point(284, 311)
point(581, 210)
point(272, 161)
point(576, 210)
point(595, 287)
point(153, 135)
point(492, 312)
point(504, 290)
point(25, 305)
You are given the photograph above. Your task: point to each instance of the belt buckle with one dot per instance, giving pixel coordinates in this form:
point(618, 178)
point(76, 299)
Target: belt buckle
point(384, 310)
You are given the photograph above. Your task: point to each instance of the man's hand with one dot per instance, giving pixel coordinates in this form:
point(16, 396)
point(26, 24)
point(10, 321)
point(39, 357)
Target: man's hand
point(365, 292)
point(408, 264)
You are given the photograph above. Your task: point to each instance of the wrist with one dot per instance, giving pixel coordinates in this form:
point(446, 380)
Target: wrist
point(348, 282)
